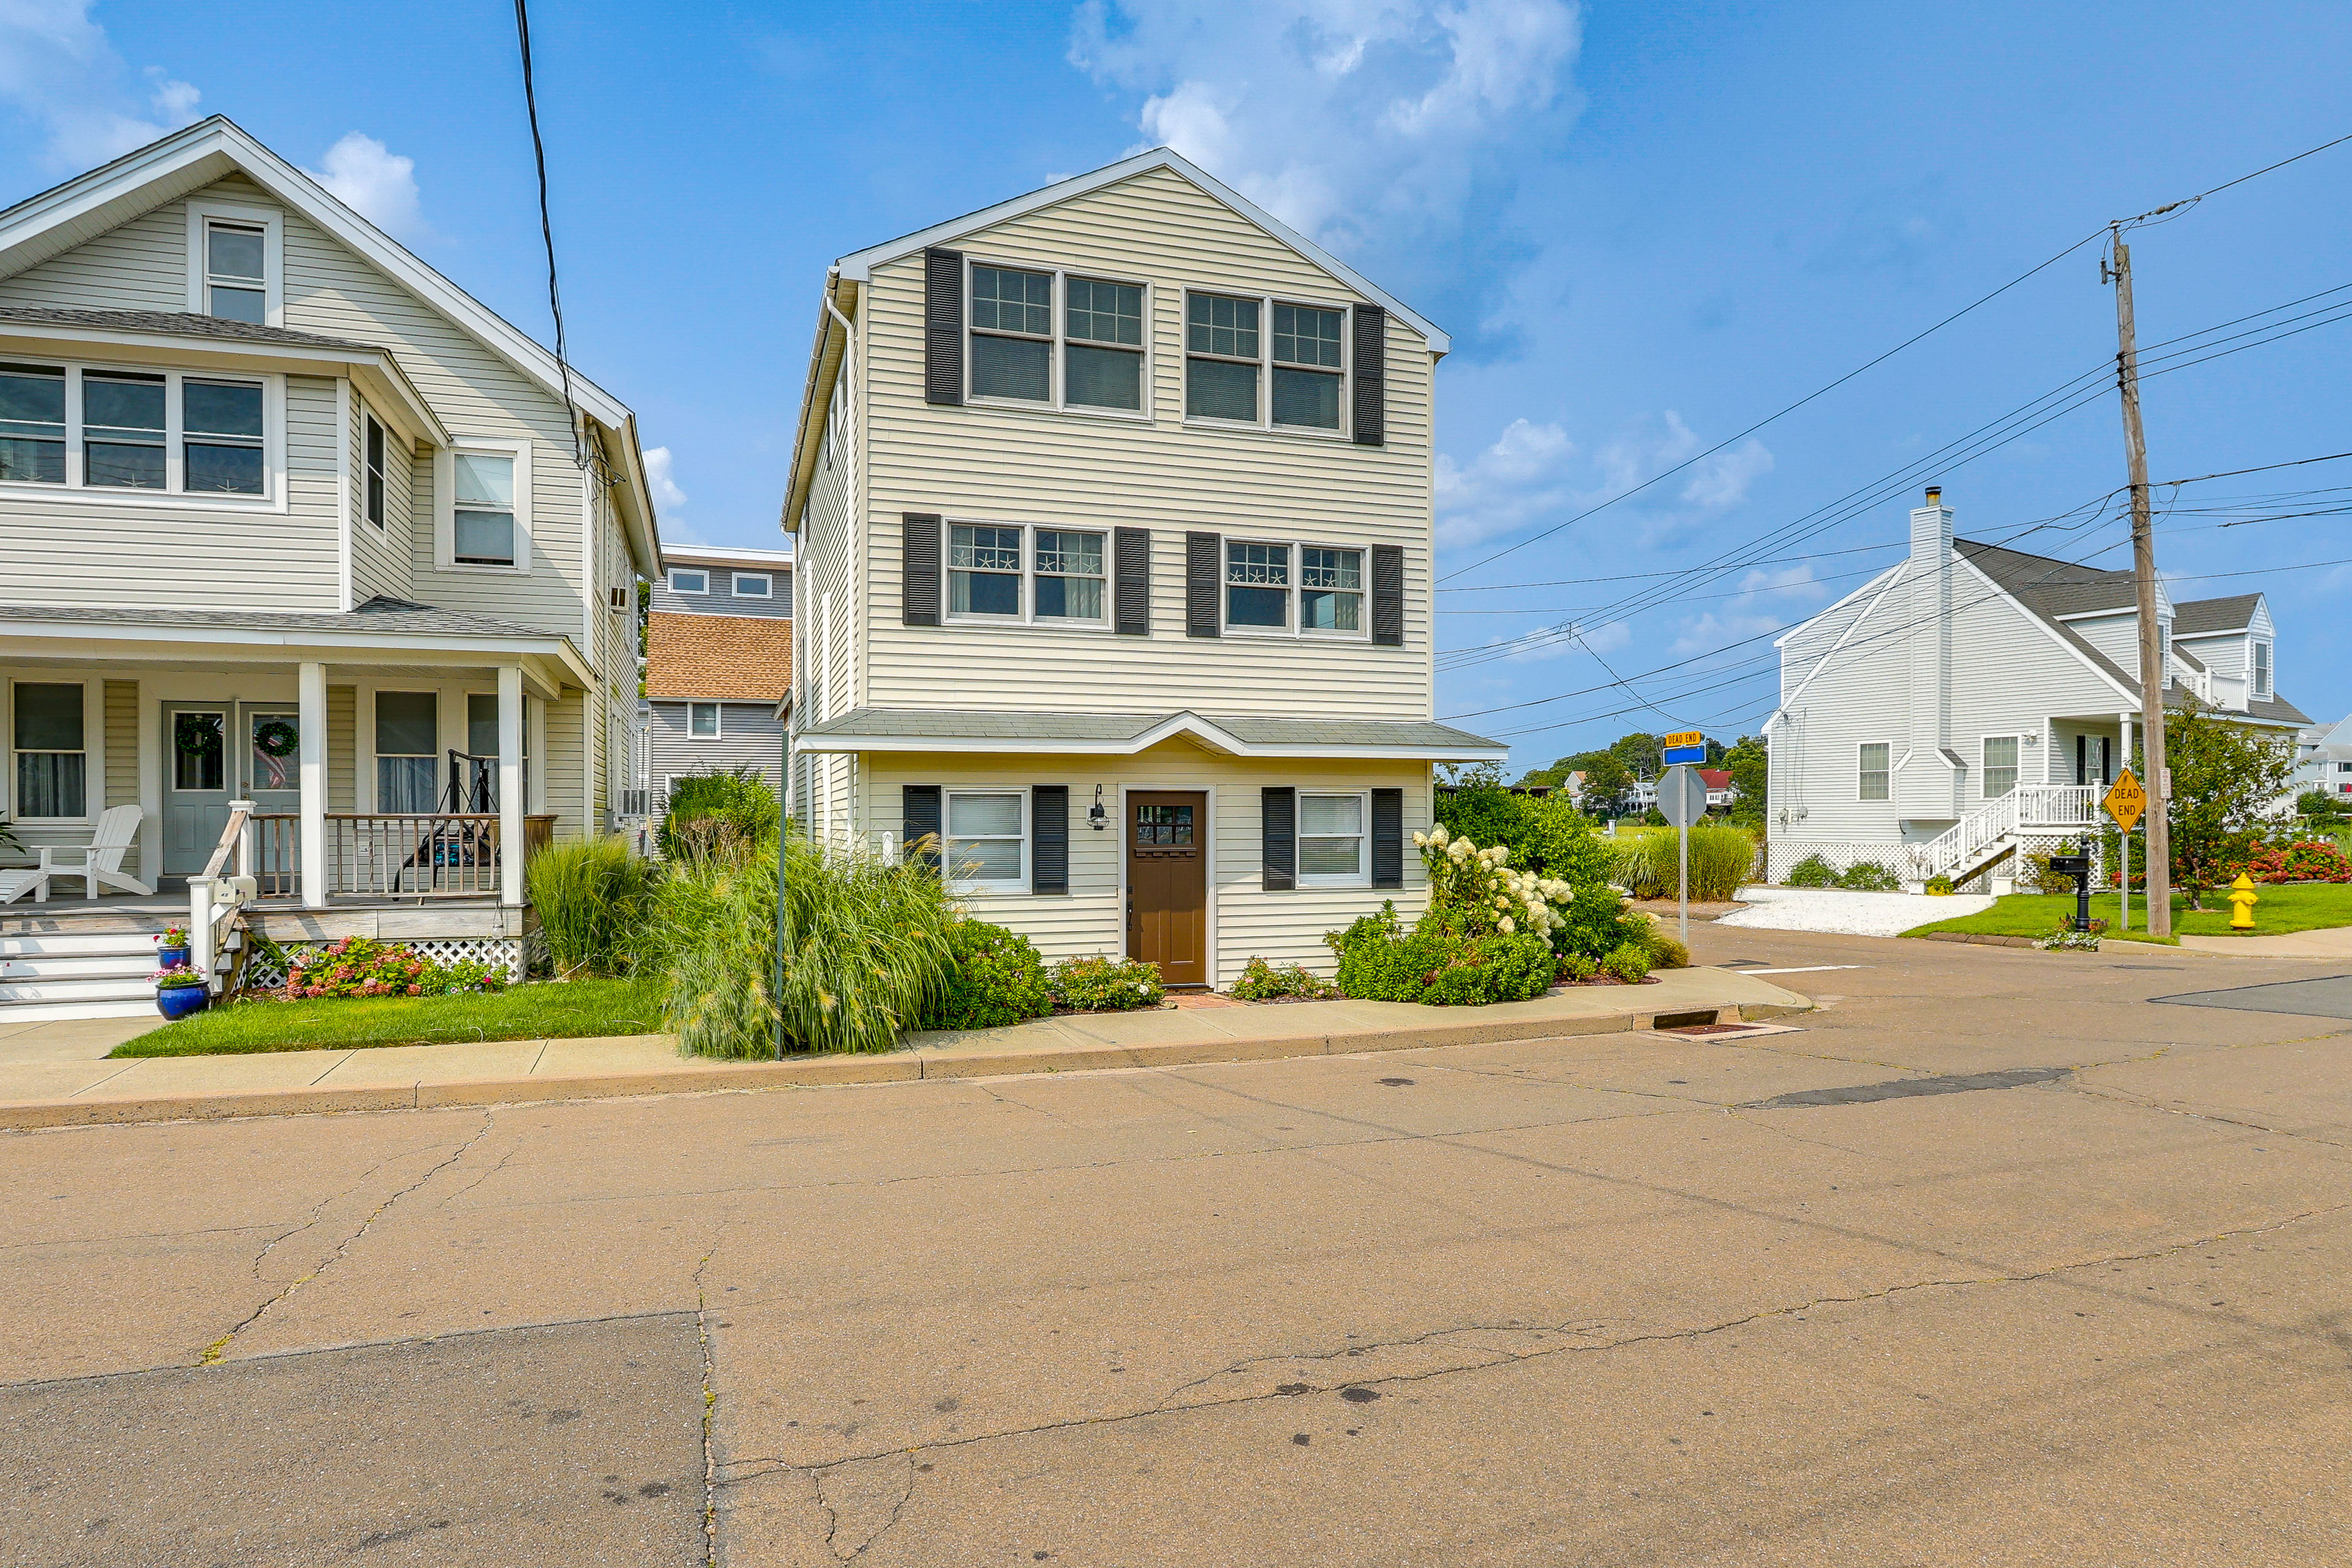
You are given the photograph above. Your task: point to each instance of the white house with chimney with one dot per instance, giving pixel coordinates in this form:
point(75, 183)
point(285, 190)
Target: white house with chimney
point(1972, 703)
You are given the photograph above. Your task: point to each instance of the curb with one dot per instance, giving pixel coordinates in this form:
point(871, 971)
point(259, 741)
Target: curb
point(812, 1072)
point(1978, 939)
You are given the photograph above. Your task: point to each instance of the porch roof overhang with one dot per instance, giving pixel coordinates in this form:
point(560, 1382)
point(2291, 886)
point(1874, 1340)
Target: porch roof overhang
point(382, 632)
point(1124, 734)
point(186, 342)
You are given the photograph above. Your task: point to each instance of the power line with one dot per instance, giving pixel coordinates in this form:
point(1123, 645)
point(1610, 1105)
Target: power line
point(547, 231)
point(2176, 208)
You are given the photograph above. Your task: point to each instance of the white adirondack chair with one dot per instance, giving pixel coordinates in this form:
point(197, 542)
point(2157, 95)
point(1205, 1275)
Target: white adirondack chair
point(100, 863)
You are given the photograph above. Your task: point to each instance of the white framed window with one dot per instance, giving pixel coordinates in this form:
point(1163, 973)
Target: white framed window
point(1015, 572)
point(987, 841)
point(407, 751)
point(94, 430)
point(754, 586)
point(372, 470)
point(1997, 753)
point(2260, 668)
point(49, 730)
point(236, 262)
point(482, 506)
point(1875, 771)
point(702, 721)
point(1333, 849)
point(1274, 364)
point(1044, 338)
point(684, 580)
point(1303, 590)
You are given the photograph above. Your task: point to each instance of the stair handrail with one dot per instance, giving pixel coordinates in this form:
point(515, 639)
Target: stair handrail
point(1991, 822)
point(215, 900)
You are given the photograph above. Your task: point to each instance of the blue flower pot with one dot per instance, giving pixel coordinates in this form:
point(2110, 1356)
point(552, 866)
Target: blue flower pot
point(170, 958)
point(177, 1002)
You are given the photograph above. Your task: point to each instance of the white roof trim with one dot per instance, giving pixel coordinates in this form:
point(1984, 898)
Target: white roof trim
point(1189, 725)
point(858, 265)
point(1828, 610)
point(178, 639)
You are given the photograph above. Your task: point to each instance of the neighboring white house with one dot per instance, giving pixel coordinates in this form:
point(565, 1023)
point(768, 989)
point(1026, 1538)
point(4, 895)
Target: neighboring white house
point(290, 519)
point(1973, 701)
point(2324, 759)
point(1114, 519)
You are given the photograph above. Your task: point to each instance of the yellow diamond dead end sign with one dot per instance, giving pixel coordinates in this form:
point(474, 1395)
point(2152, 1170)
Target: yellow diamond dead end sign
point(2125, 802)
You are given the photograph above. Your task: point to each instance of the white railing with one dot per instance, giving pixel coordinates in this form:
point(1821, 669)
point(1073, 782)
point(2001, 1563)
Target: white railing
point(2026, 806)
point(215, 900)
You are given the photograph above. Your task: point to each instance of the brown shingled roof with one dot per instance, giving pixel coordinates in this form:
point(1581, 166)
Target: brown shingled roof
point(742, 659)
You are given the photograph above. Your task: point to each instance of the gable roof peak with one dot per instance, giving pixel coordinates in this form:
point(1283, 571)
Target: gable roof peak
point(858, 265)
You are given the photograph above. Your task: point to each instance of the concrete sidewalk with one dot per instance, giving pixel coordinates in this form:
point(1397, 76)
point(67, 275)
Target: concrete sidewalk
point(57, 1075)
point(2328, 941)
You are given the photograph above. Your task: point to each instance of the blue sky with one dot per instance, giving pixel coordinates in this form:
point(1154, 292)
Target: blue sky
point(1647, 226)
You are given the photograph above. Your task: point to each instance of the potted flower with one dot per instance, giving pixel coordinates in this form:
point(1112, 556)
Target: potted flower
point(180, 991)
point(171, 947)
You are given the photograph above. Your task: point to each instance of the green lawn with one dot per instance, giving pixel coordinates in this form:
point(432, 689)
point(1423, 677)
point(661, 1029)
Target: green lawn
point(550, 1011)
point(2305, 907)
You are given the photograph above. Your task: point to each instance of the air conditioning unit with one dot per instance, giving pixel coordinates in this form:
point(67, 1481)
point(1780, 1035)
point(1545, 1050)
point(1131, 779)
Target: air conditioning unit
point(620, 597)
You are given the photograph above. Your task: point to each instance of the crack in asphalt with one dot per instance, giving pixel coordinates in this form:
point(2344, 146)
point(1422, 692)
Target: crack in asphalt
point(709, 1404)
point(1500, 1357)
point(319, 1209)
point(2136, 1101)
point(215, 1351)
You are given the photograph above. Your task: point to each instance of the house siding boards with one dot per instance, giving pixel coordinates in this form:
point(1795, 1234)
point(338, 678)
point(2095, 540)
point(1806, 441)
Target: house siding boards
point(1282, 927)
point(749, 735)
point(1043, 468)
point(722, 599)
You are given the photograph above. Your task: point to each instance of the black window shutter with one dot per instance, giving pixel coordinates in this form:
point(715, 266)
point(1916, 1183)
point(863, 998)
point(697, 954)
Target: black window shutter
point(1200, 553)
point(1049, 839)
point(918, 586)
point(1388, 838)
point(919, 815)
point(1278, 817)
point(1132, 592)
point(1371, 376)
point(943, 326)
point(1388, 596)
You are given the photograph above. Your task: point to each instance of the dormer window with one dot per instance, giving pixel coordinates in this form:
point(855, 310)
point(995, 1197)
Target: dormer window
point(235, 278)
point(2261, 667)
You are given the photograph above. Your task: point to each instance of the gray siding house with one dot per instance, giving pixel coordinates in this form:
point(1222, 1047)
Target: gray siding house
point(719, 660)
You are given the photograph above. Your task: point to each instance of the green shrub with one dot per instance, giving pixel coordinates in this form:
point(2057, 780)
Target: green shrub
point(1496, 968)
point(1869, 877)
point(594, 898)
point(729, 813)
point(1262, 981)
point(867, 955)
point(1101, 984)
point(1665, 949)
point(1380, 961)
point(1939, 883)
point(994, 977)
point(1629, 964)
point(1551, 838)
point(1577, 966)
point(1813, 871)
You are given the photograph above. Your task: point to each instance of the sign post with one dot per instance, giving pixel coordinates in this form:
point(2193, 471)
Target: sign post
point(1682, 796)
point(2125, 803)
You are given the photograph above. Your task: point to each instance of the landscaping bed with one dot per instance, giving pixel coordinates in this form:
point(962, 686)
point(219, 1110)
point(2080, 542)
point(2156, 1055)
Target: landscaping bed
point(554, 1010)
point(2284, 907)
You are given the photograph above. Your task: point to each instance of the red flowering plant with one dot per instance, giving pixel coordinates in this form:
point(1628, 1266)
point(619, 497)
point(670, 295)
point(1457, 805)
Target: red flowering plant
point(2296, 861)
point(361, 966)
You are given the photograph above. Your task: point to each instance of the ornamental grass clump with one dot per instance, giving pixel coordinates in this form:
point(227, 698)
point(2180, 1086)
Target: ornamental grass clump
point(867, 957)
point(1721, 857)
point(595, 900)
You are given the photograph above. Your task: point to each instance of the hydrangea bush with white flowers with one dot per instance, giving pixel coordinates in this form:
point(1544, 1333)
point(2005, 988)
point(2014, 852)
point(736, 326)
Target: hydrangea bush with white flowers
point(1473, 890)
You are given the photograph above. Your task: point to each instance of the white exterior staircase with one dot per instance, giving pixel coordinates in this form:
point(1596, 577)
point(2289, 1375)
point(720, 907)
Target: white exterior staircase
point(102, 974)
point(1986, 837)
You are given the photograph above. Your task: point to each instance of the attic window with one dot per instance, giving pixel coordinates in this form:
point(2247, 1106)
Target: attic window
point(2262, 671)
point(235, 285)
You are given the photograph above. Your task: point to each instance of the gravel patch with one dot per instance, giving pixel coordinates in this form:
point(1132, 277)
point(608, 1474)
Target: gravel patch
point(1849, 914)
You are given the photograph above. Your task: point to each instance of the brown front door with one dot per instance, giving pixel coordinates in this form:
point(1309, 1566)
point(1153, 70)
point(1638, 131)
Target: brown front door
point(1167, 883)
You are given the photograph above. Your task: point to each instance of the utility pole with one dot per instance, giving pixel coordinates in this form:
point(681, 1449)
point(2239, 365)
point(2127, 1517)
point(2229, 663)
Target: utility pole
point(2151, 641)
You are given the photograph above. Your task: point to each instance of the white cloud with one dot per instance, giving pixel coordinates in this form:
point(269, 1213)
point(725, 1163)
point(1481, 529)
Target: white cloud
point(58, 69)
point(376, 182)
point(1723, 479)
point(1524, 476)
point(1340, 116)
point(660, 475)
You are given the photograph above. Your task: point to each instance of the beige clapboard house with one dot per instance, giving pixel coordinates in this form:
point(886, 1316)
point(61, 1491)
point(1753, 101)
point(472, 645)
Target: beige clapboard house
point(1114, 511)
point(305, 570)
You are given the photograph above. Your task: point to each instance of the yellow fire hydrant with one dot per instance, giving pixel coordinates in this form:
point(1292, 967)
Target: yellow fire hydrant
point(2243, 899)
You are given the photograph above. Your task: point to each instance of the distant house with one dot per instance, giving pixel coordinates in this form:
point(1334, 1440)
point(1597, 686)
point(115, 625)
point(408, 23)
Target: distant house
point(719, 659)
point(1720, 791)
point(2324, 759)
point(1974, 701)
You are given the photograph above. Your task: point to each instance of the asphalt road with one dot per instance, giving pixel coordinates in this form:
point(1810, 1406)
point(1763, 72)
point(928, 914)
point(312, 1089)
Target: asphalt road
point(1993, 1261)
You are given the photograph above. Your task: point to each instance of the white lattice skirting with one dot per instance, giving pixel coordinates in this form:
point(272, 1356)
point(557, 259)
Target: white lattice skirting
point(262, 973)
point(1784, 855)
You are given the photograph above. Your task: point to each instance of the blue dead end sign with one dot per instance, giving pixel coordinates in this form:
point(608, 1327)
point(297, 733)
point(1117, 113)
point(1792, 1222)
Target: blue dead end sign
point(1684, 746)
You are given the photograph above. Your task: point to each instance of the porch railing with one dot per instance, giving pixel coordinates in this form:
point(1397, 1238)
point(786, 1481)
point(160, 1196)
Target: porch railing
point(448, 854)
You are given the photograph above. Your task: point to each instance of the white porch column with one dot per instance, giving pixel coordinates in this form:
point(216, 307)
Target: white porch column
point(311, 728)
point(510, 785)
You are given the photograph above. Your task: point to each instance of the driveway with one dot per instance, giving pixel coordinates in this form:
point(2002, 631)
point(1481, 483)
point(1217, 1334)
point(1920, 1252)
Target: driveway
point(1993, 1260)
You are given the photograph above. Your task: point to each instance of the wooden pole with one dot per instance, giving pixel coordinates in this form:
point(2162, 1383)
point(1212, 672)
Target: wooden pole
point(2151, 641)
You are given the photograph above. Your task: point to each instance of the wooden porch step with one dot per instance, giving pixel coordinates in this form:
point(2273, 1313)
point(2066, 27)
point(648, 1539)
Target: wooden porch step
point(78, 945)
point(92, 966)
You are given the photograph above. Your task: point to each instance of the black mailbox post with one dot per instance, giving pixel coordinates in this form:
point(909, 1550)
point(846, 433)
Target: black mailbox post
point(2079, 867)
